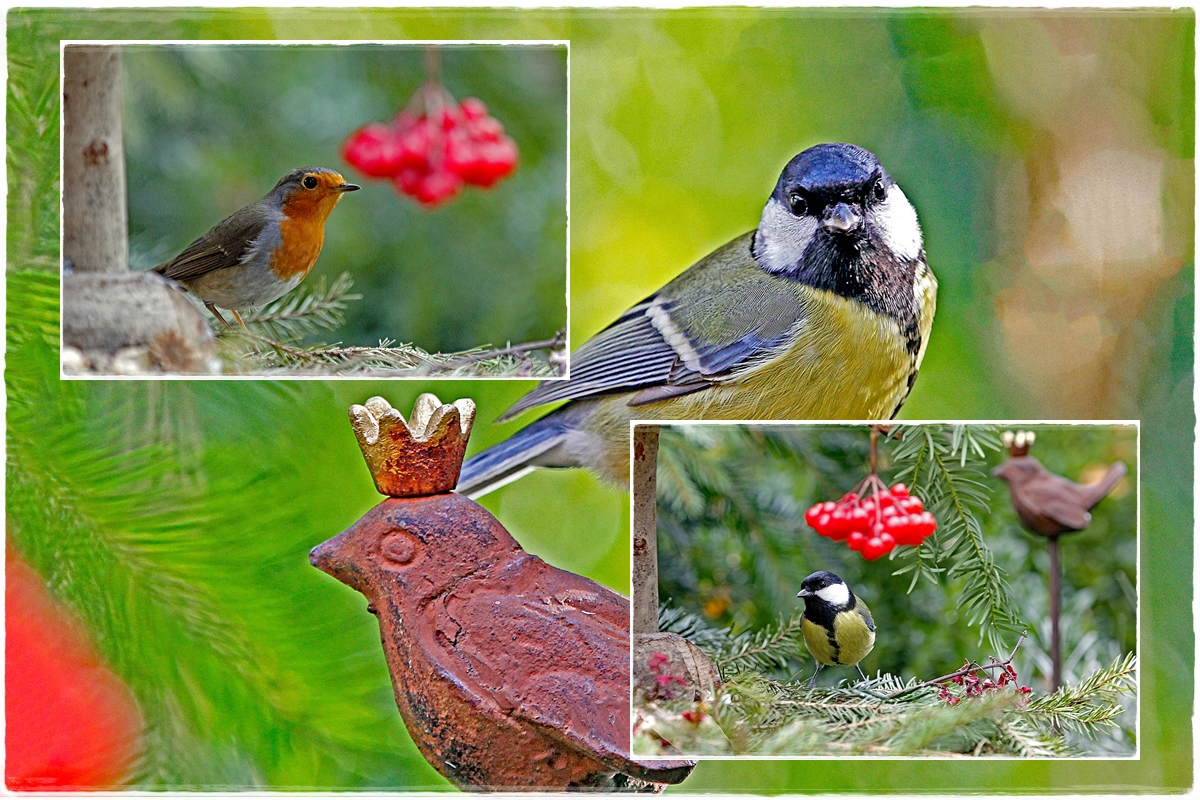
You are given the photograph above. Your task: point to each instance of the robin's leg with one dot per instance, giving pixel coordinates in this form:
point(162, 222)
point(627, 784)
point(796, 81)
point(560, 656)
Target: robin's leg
point(238, 317)
point(813, 681)
point(217, 314)
point(860, 672)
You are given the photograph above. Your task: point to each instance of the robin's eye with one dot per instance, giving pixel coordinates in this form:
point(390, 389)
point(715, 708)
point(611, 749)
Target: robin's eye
point(309, 182)
point(797, 204)
point(878, 191)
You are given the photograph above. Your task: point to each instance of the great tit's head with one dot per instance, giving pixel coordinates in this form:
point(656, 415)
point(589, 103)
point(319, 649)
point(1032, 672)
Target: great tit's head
point(825, 586)
point(833, 207)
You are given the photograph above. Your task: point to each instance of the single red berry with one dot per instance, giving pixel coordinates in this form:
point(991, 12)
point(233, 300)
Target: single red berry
point(415, 145)
point(873, 548)
point(374, 150)
point(888, 542)
point(408, 180)
point(856, 540)
point(472, 108)
point(886, 501)
point(437, 187)
point(812, 514)
point(900, 490)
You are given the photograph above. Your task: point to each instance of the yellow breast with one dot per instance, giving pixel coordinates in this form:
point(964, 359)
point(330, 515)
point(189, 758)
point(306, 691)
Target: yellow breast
point(854, 640)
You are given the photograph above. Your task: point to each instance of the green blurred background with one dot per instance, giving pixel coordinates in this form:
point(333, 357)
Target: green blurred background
point(1049, 156)
point(733, 548)
point(211, 129)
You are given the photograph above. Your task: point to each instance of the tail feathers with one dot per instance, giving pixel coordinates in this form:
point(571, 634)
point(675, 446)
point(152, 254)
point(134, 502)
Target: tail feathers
point(511, 459)
point(1100, 489)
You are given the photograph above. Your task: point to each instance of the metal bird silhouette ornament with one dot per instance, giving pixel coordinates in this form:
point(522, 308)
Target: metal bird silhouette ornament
point(1050, 506)
point(509, 673)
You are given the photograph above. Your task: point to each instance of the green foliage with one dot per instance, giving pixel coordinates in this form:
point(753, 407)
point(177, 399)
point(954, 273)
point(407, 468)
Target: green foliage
point(271, 344)
point(944, 465)
point(754, 714)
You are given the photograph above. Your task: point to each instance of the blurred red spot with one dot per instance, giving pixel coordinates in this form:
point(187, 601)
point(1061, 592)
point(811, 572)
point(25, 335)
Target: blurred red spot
point(70, 722)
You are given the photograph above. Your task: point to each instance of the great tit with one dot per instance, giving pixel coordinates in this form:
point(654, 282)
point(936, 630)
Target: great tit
point(822, 312)
point(837, 626)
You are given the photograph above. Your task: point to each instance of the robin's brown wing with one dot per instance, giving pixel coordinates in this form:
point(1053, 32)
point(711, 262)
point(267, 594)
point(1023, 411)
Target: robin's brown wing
point(564, 659)
point(225, 245)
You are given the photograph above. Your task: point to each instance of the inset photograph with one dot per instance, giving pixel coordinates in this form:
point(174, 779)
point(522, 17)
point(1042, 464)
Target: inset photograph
point(364, 209)
point(888, 590)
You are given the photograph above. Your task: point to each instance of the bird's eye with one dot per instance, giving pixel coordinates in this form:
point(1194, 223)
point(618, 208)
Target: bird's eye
point(798, 206)
point(878, 191)
point(309, 182)
point(398, 548)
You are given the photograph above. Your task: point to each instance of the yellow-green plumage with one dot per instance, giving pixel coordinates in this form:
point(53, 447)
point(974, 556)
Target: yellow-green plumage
point(854, 638)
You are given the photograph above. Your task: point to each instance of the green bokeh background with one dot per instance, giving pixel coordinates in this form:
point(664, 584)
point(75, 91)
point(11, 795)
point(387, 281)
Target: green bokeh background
point(202, 141)
point(1048, 155)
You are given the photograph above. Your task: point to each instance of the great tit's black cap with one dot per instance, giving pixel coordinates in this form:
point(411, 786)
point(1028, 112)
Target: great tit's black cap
point(819, 580)
point(833, 167)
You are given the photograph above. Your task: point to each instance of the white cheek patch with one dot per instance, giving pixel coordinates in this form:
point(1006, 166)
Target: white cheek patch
point(782, 237)
point(896, 221)
point(835, 594)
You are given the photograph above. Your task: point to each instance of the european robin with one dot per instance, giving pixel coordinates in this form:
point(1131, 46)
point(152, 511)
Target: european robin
point(263, 251)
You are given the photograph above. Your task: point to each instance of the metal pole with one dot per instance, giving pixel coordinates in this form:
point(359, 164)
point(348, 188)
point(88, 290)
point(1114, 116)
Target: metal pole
point(1055, 603)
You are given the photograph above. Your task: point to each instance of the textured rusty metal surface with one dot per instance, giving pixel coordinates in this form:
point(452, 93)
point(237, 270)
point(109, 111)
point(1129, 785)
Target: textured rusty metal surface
point(509, 673)
point(419, 457)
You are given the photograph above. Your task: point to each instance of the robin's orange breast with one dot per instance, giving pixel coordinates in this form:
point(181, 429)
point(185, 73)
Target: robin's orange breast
point(301, 237)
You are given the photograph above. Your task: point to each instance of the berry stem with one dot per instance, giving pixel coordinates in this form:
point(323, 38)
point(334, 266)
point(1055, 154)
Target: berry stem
point(970, 667)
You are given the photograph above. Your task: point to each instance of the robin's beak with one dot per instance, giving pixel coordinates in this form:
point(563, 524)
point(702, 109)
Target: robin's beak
point(347, 187)
point(804, 593)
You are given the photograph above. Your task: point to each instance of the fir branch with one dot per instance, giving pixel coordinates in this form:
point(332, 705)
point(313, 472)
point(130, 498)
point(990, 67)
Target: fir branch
point(1088, 705)
point(311, 308)
point(946, 467)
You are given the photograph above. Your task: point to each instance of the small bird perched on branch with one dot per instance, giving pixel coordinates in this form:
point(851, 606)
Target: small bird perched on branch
point(1050, 504)
point(838, 627)
point(263, 251)
point(822, 312)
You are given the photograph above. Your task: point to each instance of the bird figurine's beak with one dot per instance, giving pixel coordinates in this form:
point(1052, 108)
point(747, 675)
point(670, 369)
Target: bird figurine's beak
point(804, 593)
point(322, 557)
point(841, 218)
point(347, 187)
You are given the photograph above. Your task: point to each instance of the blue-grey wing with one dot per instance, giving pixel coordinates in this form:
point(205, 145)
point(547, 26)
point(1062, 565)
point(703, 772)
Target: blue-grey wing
point(716, 317)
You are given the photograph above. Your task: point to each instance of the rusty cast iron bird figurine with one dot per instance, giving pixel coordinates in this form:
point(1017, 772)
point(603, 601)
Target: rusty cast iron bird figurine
point(1050, 505)
point(509, 673)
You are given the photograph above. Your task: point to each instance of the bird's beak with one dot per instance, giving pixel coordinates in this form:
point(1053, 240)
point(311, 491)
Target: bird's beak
point(322, 557)
point(347, 187)
point(804, 593)
point(841, 218)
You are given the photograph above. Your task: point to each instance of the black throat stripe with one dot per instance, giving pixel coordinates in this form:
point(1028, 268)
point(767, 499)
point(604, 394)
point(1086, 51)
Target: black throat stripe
point(863, 269)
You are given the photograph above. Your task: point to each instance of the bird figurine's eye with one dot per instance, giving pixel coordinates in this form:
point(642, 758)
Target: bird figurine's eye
point(878, 191)
point(398, 548)
point(798, 206)
point(309, 182)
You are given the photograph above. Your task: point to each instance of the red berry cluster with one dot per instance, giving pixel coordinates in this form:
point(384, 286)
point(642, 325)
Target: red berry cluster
point(976, 681)
point(873, 519)
point(434, 147)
